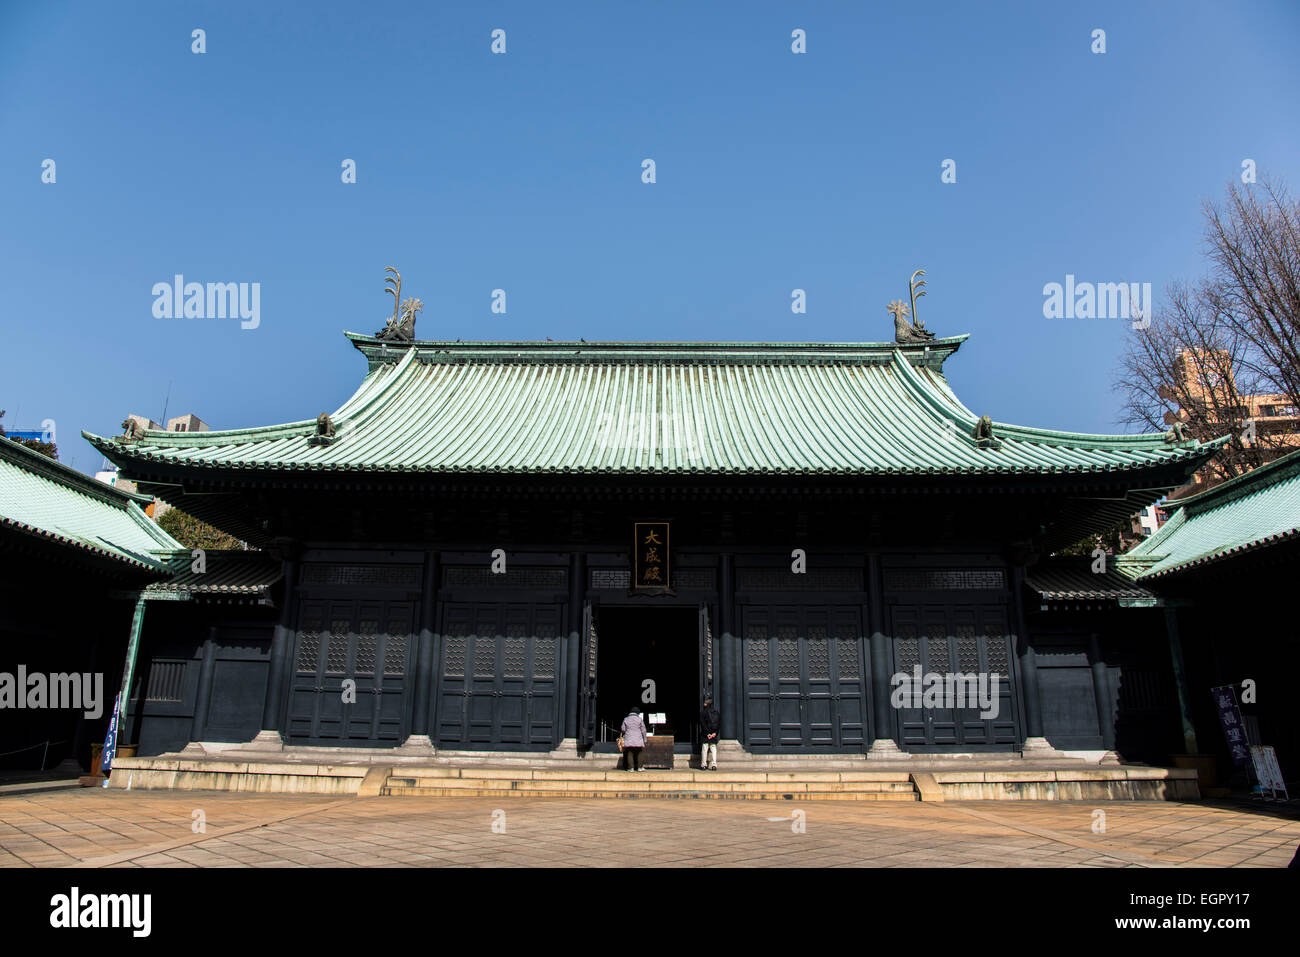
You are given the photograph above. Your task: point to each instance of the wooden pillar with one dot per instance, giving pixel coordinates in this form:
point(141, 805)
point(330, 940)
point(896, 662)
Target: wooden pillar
point(1101, 691)
point(1034, 741)
point(573, 652)
point(880, 655)
point(1029, 689)
point(728, 683)
point(425, 657)
point(1180, 680)
point(281, 648)
point(203, 696)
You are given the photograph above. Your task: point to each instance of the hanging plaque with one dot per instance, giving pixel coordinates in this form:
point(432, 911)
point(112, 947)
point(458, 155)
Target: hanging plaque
point(650, 556)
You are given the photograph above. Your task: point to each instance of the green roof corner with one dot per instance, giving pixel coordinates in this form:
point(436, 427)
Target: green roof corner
point(1249, 512)
point(48, 500)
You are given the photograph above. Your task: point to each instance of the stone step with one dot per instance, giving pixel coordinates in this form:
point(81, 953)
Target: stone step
point(694, 777)
point(581, 791)
point(641, 783)
point(293, 773)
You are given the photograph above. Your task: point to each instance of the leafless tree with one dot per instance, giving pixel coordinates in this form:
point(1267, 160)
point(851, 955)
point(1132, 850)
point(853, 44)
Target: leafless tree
point(1233, 334)
point(1254, 244)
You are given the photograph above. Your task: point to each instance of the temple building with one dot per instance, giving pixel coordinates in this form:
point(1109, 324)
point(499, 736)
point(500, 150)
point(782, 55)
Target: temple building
point(74, 556)
point(504, 546)
point(1223, 565)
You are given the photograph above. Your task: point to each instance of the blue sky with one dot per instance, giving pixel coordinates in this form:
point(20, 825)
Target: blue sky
point(522, 171)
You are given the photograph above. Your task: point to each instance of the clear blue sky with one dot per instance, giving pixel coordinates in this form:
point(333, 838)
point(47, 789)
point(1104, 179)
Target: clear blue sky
point(775, 171)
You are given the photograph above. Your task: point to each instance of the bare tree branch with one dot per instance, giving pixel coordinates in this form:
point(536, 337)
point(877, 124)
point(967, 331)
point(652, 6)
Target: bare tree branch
point(1231, 337)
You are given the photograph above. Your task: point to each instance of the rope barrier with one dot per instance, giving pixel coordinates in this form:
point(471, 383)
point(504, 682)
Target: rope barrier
point(5, 754)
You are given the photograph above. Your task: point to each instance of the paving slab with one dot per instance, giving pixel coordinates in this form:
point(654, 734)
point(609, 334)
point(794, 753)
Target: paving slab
point(115, 828)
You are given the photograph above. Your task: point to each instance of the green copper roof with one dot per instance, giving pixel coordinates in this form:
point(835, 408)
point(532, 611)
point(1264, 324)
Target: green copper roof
point(48, 500)
point(638, 408)
point(1072, 580)
point(229, 573)
point(1259, 508)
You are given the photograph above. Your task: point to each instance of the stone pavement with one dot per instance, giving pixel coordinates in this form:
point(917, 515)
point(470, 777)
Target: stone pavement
point(105, 828)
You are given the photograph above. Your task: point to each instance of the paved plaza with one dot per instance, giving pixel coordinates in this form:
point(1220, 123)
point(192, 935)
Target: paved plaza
point(99, 828)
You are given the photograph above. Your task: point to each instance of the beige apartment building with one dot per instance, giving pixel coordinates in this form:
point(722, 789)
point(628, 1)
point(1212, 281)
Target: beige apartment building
point(1210, 405)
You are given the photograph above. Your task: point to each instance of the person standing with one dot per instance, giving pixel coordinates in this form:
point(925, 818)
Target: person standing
point(709, 724)
point(633, 740)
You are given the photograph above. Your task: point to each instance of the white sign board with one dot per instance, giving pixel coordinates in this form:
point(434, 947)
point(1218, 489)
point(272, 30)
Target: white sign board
point(1267, 770)
point(658, 717)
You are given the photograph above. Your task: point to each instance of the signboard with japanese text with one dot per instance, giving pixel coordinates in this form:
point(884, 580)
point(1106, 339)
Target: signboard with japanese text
point(1234, 731)
point(1267, 771)
point(110, 740)
point(650, 556)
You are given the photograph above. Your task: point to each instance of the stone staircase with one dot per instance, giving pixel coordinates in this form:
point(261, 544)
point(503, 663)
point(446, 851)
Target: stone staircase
point(370, 773)
point(753, 785)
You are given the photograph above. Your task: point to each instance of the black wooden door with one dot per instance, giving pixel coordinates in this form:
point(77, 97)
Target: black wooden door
point(499, 685)
point(968, 639)
point(803, 678)
point(350, 666)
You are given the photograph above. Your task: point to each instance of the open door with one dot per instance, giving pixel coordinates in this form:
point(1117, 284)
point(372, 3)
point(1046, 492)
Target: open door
point(587, 723)
point(706, 657)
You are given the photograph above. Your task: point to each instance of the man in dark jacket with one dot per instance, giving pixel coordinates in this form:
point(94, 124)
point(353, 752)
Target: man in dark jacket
point(709, 724)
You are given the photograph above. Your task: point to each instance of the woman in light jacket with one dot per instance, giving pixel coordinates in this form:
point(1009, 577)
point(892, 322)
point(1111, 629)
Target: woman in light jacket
point(633, 740)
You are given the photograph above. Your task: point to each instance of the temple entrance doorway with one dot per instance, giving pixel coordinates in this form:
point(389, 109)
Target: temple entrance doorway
point(657, 645)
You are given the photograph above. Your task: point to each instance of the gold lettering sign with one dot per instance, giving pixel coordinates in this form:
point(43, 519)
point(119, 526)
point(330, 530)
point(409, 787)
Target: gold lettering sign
point(650, 555)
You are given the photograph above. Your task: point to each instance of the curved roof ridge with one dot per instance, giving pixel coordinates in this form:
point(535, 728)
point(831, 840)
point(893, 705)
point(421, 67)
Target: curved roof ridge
point(378, 351)
point(939, 397)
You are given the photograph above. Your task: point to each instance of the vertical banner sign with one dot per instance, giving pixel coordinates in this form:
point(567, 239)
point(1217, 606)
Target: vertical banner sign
point(110, 742)
point(650, 555)
point(1225, 702)
point(124, 695)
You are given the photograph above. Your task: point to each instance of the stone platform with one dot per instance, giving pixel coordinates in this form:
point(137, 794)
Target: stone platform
point(370, 773)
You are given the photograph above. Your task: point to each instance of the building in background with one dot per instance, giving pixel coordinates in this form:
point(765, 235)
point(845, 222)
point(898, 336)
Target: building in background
point(1205, 385)
point(187, 423)
point(1148, 521)
point(144, 421)
point(181, 423)
point(1205, 388)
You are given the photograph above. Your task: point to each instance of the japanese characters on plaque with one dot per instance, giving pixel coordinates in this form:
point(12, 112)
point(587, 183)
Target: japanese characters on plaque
point(1234, 730)
point(650, 555)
